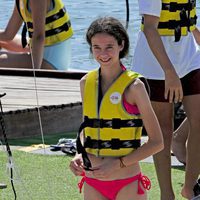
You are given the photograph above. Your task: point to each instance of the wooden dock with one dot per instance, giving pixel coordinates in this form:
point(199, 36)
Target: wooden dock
point(56, 95)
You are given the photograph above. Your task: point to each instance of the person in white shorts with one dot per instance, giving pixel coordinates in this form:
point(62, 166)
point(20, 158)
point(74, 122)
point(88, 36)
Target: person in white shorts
point(168, 56)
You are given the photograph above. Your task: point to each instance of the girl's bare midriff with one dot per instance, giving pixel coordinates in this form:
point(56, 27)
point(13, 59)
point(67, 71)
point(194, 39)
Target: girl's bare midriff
point(121, 173)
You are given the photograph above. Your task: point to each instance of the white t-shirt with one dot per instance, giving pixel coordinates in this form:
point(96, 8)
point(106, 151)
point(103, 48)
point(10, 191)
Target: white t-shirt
point(184, 54)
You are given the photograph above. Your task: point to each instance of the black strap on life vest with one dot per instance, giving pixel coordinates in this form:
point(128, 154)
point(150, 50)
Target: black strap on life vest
point(177, 24)
point(24, 29)
point(174, 6)
point(114, 123)
point(185, 19)
point(64, 27)
point(17, 4)
point(23, 36)
point(114, 143)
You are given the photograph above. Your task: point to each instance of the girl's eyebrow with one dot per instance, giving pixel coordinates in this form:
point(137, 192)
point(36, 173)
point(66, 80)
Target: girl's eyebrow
point(95, 45)
point(110, 44)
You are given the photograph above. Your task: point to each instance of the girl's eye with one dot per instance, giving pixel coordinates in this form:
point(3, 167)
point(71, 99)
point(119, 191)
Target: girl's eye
point(96, 48)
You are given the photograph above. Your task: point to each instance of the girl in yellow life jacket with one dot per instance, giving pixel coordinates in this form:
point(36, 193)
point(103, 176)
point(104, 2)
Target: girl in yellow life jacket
point(115, 104)
point(49, 30)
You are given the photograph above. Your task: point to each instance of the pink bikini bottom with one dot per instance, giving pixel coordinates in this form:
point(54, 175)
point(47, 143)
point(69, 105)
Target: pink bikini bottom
point(109, 189)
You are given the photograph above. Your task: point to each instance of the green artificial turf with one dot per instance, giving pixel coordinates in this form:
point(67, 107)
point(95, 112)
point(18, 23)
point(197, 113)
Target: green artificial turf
point(47, 177)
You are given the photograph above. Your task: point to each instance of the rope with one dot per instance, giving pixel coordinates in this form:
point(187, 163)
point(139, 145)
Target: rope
point(127, 14)
point(38, 108)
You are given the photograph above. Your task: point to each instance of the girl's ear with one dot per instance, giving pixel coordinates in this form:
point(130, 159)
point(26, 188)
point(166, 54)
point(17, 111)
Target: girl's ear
point(122, 45)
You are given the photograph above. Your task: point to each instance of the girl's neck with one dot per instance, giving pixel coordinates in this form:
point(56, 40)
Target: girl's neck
point(109, 75)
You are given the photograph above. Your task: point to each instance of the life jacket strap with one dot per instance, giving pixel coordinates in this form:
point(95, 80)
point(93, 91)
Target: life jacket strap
point(172, 24)
point(177, 24)
point(114, 123)
point(81, 149)
point(174, 6)
point(114, 143)
point(56, 16)
point(64, 27)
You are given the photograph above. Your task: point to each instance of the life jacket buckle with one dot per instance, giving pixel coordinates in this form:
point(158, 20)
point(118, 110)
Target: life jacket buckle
point(172, 24)
point(97, 123)
point(173, 6)
point(116, 123)
point(183, 15)
point(115, 143)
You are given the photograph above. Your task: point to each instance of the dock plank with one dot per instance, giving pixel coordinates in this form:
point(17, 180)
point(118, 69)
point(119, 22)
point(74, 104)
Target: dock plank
point(22, 92)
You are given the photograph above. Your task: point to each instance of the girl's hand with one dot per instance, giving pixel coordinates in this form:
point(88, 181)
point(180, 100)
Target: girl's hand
point(173, 88)
point(76, 165)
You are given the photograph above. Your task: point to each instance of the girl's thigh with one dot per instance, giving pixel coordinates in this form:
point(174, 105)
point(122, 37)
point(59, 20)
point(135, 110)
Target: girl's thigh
point(91, 193)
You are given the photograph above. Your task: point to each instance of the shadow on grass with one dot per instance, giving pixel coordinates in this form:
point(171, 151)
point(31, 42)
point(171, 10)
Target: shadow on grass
point(48, 139)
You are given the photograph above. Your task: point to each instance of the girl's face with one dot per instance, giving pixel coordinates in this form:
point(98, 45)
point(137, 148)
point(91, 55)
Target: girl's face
point(105, 49)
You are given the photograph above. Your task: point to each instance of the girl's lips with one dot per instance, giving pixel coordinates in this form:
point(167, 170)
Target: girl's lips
point(107, 60)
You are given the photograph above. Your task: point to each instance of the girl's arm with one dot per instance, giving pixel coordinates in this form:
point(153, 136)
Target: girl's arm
point(196, 34)
point(76, 165)
point(12, 27)
point(137, 95)
point(38, 10)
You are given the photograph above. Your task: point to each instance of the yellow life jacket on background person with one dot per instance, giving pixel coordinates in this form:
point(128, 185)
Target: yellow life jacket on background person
point(112, 131)
point(58, 26)
point(177, 18)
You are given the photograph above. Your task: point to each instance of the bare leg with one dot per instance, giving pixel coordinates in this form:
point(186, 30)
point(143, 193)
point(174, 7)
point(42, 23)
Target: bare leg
point(19, 60)
point(162, 160)
point(192, 108)
point(91, 193)
point(179, 141)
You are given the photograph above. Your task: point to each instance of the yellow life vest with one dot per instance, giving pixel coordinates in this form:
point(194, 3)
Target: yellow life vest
point(177, 18)
point(58, 26)
point(112, 131)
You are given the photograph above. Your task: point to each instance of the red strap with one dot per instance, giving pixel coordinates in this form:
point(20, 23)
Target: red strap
point(146, 183)
point(80, 184)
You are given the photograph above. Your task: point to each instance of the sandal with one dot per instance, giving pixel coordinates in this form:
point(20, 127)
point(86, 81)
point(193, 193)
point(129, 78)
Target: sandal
point(184, 163)
point(58, 146)
point(3, 186)
point(65, 145)
point(69, 147)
